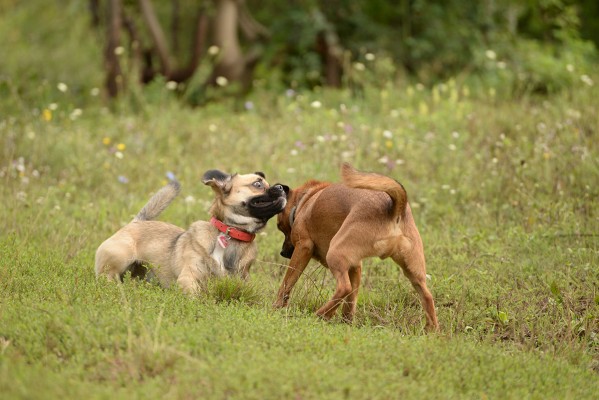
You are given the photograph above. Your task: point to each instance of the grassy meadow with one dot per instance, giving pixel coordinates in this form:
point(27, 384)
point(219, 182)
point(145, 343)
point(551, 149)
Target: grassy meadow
point(504, 191)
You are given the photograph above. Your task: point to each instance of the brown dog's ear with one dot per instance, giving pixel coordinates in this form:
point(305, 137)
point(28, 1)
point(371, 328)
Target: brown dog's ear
point(285, 189)
point(219, 181)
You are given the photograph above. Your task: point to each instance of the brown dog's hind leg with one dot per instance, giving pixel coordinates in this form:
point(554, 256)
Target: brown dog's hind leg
point(428, 304)
point(349, 306)
point(339, 266)
point(416, 273)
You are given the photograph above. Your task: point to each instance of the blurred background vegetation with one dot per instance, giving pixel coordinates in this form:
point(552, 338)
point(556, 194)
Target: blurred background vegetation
point(204, 49)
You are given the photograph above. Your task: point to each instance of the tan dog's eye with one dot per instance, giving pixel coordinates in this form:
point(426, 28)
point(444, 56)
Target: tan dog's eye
point(258, 185)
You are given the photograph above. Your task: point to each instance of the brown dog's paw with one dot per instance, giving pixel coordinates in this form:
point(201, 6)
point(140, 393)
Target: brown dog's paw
point(281, 302)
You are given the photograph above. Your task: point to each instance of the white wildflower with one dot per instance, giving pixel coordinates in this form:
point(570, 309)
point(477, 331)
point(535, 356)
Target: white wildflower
point(222, 81)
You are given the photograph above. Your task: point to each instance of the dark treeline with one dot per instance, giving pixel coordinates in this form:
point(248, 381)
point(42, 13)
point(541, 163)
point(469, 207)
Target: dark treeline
point(307, 43)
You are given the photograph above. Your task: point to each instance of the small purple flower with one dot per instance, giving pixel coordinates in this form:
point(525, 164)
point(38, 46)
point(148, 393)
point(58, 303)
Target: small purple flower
point(123, 179)
point(249, 105)
point(171, 176)
point(290, 93)
point(300, 145)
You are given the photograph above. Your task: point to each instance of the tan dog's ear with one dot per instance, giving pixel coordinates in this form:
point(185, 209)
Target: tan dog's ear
point(219, 181)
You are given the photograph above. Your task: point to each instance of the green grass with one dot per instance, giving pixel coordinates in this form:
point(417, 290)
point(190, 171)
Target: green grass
point(509, 218)
point(504, 192)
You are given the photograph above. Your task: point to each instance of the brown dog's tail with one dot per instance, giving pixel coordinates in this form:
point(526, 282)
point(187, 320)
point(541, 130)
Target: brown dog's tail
point(159, 202)
point(369, 180)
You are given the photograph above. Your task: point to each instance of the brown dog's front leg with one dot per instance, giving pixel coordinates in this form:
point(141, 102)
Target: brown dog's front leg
point(299, 260)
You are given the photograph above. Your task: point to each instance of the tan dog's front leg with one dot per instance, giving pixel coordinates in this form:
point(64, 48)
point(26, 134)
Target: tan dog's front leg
point(188, 282)
point(192, 273)
point(299, 260)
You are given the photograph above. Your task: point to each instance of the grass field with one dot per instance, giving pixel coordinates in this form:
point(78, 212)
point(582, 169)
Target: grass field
point(504, 191)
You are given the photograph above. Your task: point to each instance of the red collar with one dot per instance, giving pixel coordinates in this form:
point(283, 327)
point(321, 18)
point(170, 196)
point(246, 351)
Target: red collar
point(232, 232)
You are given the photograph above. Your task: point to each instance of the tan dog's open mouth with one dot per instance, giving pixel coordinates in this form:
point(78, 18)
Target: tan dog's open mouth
point(269, 204)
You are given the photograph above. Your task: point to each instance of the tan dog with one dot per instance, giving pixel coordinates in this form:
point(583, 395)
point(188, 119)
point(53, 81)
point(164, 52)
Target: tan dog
point(341, 224)
point(242, 206)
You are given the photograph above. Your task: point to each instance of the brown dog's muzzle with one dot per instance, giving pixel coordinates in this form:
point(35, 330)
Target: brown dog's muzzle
point(287, 249)
point(287, 253)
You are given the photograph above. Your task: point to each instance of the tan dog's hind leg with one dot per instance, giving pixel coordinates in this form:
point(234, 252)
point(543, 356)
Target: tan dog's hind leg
point(113, 258)
point(349, 307)
point(299, 260)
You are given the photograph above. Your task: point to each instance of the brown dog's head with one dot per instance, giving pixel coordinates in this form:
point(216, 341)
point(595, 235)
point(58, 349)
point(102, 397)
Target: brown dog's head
point(285, 222)
point(244, 201)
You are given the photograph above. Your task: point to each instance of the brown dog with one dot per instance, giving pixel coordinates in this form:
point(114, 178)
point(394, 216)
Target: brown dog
point(242, 206)
point(341, 224)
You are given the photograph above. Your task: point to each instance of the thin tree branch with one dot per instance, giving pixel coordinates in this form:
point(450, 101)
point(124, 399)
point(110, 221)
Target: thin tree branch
point(250, 28)
point(201, 35)
point(157, 35)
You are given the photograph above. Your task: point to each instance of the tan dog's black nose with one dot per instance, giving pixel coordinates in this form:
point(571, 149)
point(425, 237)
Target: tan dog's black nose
point(276, 191)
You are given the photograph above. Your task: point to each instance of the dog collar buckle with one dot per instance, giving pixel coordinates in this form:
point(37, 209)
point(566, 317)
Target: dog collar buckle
point(229, 232)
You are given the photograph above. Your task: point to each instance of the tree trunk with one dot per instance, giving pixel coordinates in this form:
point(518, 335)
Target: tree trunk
point(175, 25)
point(94, 8)
point(114, 77)
point(230, 62)
point(330, 56)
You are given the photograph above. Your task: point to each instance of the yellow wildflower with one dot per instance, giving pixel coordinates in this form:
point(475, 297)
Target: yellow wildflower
point(436, 95)
point(388, 144)
point(106, 141)
point(120, 146)
point(47, 115)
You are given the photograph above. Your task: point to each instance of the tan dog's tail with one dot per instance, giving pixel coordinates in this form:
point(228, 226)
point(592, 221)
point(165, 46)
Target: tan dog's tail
point(159, 202)
point(369, 180)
